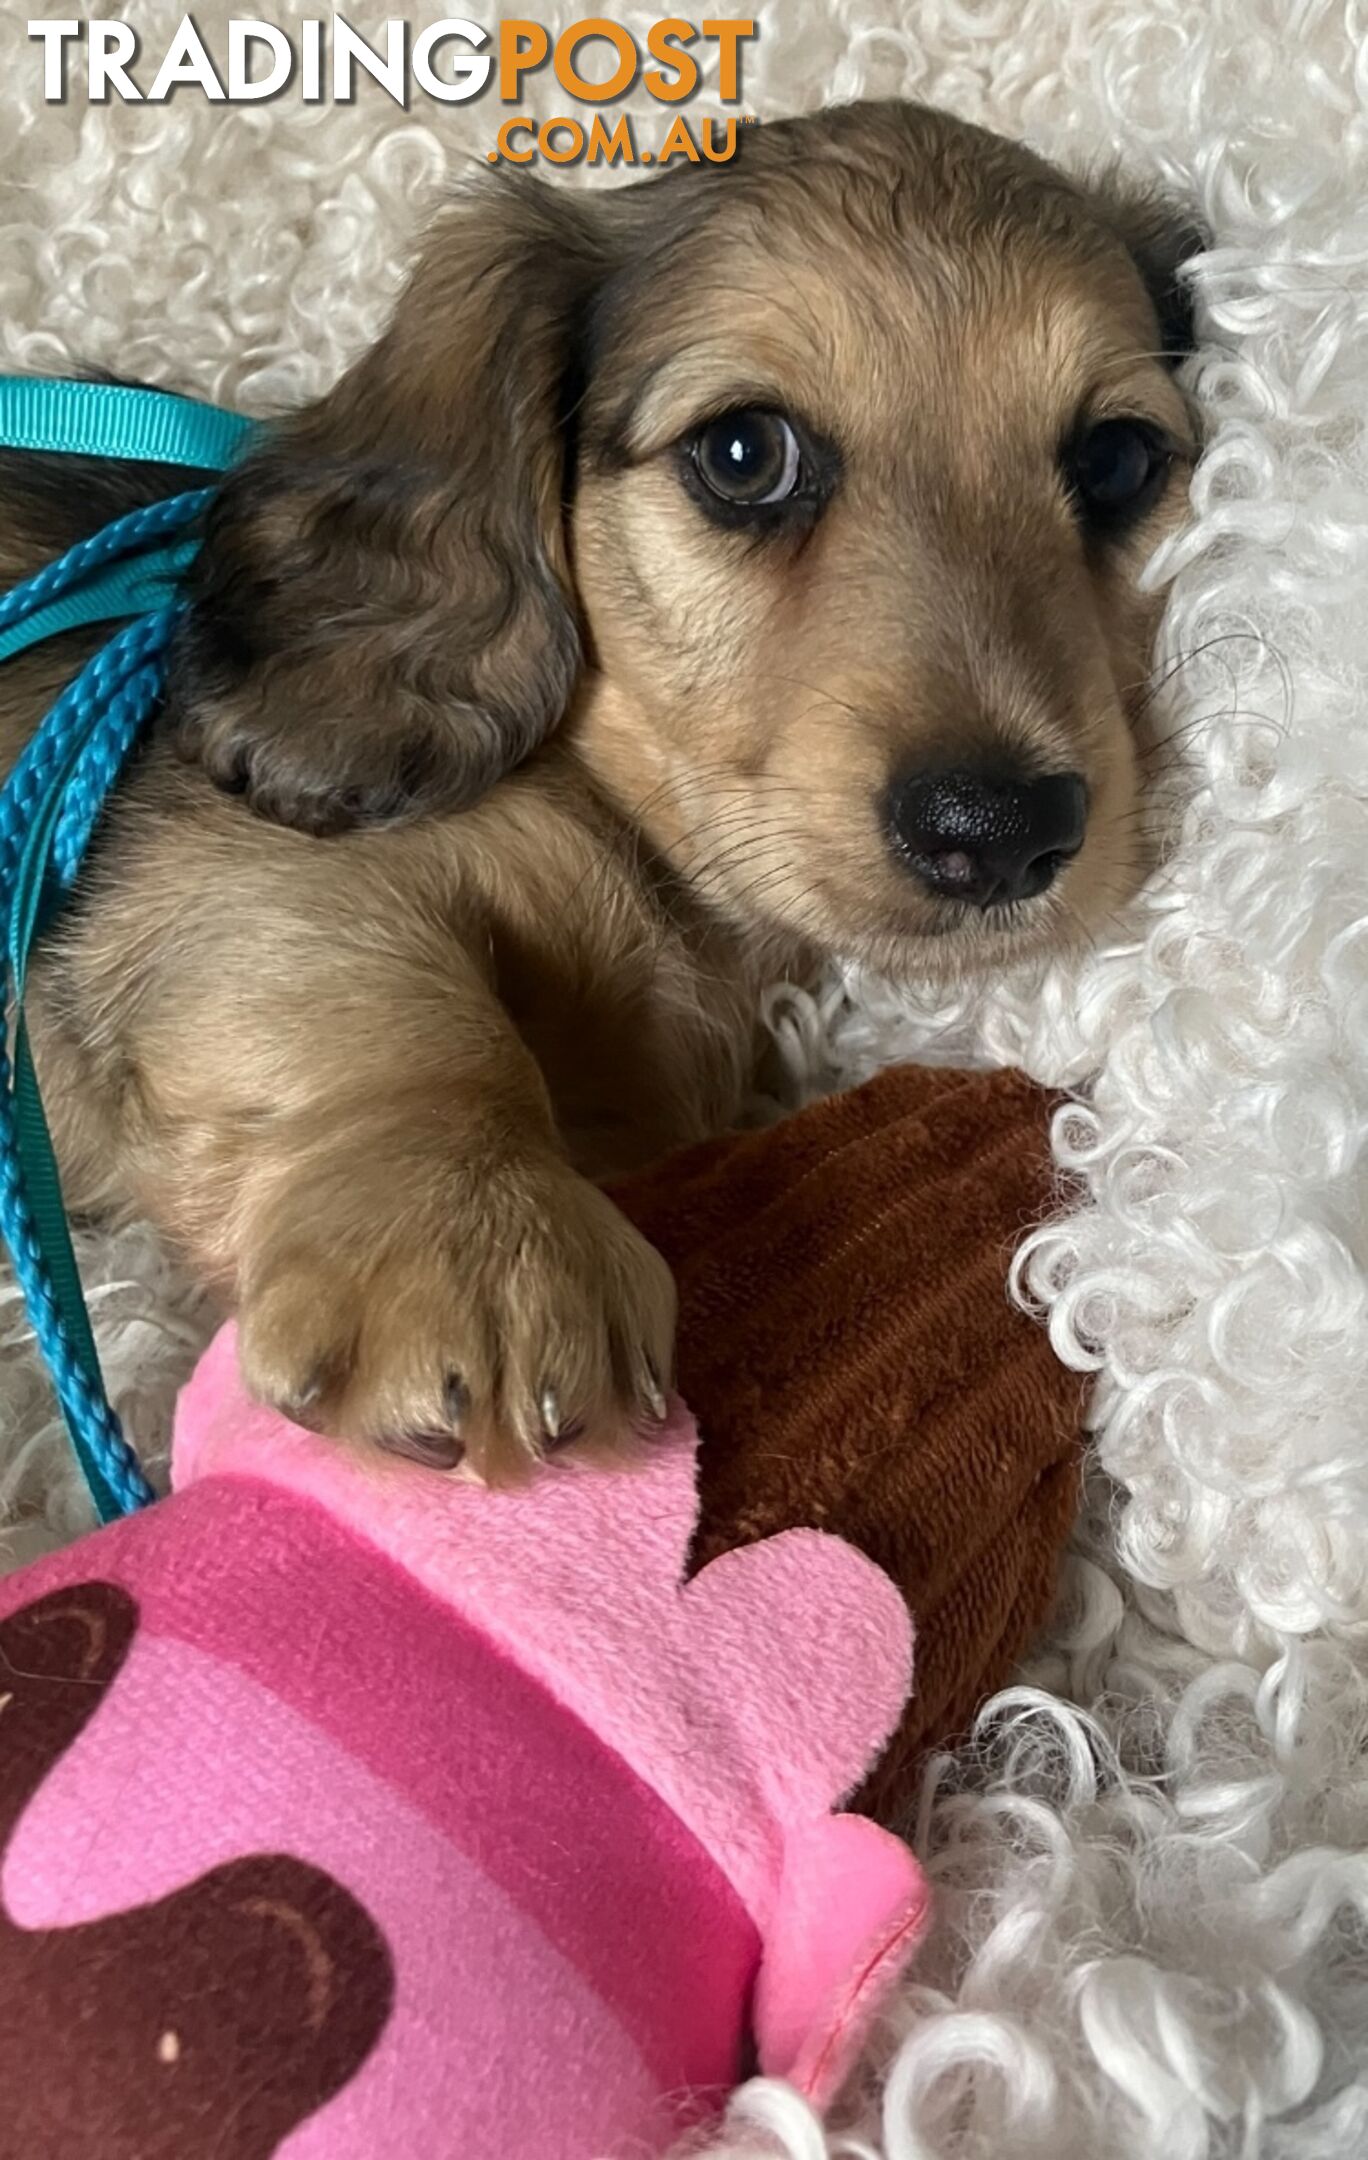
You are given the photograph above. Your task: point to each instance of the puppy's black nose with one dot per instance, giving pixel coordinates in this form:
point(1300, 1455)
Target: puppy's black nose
point(987, 840)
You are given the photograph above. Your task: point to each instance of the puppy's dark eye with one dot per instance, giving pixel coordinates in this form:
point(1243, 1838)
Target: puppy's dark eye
point(750, 459)
point(1116, 470)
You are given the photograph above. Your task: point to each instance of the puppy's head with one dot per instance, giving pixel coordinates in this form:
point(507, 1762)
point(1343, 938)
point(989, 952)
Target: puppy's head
point(808, 492)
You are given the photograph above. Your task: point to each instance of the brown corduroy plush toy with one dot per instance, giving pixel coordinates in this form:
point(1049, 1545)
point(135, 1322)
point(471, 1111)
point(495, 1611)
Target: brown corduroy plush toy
point(849, 1349)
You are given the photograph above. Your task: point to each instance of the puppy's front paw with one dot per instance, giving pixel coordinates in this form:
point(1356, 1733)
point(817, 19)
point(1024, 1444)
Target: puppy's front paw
point(536, 1317)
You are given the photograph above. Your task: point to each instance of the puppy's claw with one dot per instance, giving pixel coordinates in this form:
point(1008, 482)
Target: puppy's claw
point(433, 1450)
point(653, 1396)
point(455, 1399)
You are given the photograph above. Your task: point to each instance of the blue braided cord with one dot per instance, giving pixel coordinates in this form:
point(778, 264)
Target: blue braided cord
point(136, 585)
point(85, 1408)
point(68, 768)
point(126, 536)
point(74, 718)
point(102, 759)
point(66, 773)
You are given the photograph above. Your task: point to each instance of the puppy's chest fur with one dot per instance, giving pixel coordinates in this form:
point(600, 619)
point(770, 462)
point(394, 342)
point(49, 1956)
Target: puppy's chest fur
point(639, 1004)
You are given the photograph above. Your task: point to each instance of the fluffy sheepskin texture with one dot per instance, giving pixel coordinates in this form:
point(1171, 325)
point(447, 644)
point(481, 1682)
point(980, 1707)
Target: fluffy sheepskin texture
point(1153, 1889)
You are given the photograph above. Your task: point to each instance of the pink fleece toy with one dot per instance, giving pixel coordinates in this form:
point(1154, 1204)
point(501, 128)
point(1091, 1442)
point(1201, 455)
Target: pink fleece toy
point(350, 1811)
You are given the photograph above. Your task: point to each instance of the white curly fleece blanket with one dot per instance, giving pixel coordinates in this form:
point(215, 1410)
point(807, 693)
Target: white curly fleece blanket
point(1153, 1889)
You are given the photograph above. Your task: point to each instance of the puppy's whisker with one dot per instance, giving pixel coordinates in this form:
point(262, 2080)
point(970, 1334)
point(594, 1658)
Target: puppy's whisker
point(1192, 730)
point(1161, 677)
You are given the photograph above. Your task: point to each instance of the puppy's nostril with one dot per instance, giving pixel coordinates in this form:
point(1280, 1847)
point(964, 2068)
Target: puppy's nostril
point(956, 871)
point(985, 839)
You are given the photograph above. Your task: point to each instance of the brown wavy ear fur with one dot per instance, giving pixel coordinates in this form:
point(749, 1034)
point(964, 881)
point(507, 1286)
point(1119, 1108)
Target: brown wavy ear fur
point(1161, 235)
point(383, 619)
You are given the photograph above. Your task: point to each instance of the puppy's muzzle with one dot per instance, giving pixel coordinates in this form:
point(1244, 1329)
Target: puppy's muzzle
point(987, 840)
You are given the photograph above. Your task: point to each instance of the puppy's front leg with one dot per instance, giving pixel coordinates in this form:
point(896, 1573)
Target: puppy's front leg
point(355, 1139)
point(423, 1268)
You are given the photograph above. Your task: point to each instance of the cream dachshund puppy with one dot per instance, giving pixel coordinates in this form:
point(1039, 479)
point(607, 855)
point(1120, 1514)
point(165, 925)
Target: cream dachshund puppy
point(697, 580)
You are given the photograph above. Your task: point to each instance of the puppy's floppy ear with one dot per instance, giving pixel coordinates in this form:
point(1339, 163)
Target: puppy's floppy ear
point(383, 621)
point(1161, 234)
